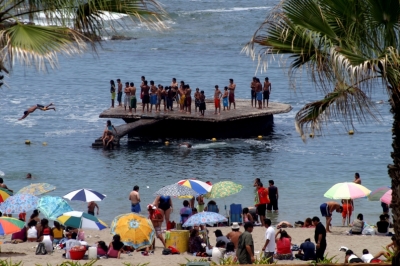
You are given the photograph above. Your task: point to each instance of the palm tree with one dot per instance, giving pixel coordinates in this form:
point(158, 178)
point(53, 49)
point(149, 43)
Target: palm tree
point(67, 27)
point(348, 47)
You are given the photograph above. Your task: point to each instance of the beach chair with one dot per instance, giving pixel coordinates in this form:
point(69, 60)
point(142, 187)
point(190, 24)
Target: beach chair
point(235, 213)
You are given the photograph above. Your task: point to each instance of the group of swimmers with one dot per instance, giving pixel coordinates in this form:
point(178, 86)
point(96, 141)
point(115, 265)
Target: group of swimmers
point(152, 95)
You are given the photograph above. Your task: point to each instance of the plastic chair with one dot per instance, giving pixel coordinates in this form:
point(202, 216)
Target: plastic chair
point(235, 213)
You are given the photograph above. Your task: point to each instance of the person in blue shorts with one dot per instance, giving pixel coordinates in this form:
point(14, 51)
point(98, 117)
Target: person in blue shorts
point(327, 209)
point(225, 98)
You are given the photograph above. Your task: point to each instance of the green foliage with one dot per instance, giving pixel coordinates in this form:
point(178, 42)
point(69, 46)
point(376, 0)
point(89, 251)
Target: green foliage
point(326, 260)
point(10, 263)
point(193, 260)
point(139, 264)
point(70, 263)
point(389, 254)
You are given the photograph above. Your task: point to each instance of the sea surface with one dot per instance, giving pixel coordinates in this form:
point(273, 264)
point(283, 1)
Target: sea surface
point(202, 46)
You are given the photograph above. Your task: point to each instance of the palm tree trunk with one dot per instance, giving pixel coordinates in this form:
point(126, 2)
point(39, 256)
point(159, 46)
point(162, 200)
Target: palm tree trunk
point(394, 169)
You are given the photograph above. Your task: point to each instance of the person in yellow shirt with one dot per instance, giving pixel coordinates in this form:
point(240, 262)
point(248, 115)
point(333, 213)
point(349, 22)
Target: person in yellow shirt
point(57, 232)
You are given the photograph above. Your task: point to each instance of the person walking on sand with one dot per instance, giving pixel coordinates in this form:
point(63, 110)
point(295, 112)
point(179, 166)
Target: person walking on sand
point(231, 88)
point(134, 197)
point(91, 207)
point(327, 209)
point(37, 106)
point(357, 178)
point(245, 250)
point(269, 245)
point(217, 100)
point(119, 95)
point(320, 238)
point(133, 100)
point(266, 91)
point(273, 197)
point(157, 219)
point(225, 99)
point(112, 91)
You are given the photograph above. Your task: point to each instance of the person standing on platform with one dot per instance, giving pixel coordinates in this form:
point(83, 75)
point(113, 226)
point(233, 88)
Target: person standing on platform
point(320, 238)
point(225, 99)
point(112, 91)
point(273, 197)
point(245, 250)
point(133, 99)
point(357, 178)
point(134, 197)
point(253, 92)
point(145, 95)
point(119, 97)
point(202, 107)
point(259, 93)
point(217, 100)
point(327, 209)
point(188, 99)
point(127, 97)
point(261, 201)
point(231, 88)
point(266, 91)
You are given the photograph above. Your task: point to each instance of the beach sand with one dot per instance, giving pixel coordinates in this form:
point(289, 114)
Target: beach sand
point(335, 240)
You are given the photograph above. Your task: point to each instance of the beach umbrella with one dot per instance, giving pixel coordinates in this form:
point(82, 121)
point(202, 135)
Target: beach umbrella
point(175, 190)
point(347, 190)
point(377, 194)
point(135, 230)
point(37, 189)
point(10, 225)
point(52, 207)
point(205, 218)
point(387, 197)
point(19, 203)
point(199, 186)
point(81, 220)
point(4, 194)
point(224, 189)
point(84, 194)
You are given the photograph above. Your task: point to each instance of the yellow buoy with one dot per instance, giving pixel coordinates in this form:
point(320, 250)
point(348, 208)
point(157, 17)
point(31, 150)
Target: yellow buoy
point(166, 143)
point(312, 135)
point(213, 139)
point(44, 143)
point(351, 132)
point(259, 137)
point(27, 142)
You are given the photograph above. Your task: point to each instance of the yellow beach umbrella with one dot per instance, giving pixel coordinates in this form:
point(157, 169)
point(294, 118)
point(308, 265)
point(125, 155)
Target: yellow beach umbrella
point(134, 229)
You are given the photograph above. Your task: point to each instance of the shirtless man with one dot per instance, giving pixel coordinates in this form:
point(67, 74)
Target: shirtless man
point(231, 88)
point(253, 91)
point(2, 185)
point(157, 219)
point(225, 99)
point(134, 197)
point(357, 178)
point(145, 95)
point(141, 86)
point(259, 93)
point(133, 100)
point(38, 106)
point(233, 236)
point(153, 96)
point(266, 91)
point(91, 207)
point(119, 95)
point(127, 98)
point(217, 100)
point(188, 99)
point(196, 99)
point(327, 209)
point(202, 107)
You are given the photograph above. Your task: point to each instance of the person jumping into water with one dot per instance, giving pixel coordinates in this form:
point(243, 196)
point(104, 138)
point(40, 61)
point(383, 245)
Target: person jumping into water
point(38, 106)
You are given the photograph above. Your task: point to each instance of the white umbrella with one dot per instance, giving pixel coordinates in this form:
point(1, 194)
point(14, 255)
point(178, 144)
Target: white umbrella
point(84, 194)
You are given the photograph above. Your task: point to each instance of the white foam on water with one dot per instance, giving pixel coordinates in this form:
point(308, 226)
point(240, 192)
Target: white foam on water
point(221, 10)
point(2, 173)
point(209, 145)
point(65, 132)
point(15, 102)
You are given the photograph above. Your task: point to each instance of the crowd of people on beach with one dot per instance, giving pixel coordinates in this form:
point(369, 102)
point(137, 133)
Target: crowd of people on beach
point(153, 96)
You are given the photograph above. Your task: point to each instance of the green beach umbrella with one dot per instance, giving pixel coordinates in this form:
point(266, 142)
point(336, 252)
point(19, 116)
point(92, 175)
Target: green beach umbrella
point(223, 189)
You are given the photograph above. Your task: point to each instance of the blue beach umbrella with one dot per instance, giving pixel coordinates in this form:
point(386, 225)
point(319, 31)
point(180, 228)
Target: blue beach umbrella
point(19, 203)
point(84, 194)
point(205, 218)
point(52, 207)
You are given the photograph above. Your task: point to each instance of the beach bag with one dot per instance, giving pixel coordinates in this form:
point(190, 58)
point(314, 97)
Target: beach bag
point(173, 250)
point(368, 231)
point(41, 249)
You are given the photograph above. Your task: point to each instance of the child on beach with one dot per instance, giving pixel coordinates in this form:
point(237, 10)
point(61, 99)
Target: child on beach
point(102, 249)
point(246, 216)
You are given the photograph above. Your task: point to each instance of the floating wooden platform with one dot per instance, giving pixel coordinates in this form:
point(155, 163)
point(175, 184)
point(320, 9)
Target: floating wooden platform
point(244, 121)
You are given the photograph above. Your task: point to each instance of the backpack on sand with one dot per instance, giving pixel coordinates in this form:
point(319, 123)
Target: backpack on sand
point(41, 249)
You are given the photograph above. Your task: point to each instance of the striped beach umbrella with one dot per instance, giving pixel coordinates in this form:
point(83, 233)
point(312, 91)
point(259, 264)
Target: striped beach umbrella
point(387, 197)
point(84, 194)
point(347, 190)
point(199, 186)
point(377, 194)
point(82, 220)
point(10, 225)
point(4, 194)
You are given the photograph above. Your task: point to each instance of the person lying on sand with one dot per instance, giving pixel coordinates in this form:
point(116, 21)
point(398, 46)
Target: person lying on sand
point(38, 106)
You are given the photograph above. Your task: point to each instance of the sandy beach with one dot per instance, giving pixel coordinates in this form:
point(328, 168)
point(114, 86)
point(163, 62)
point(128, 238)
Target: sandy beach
point(335, 240)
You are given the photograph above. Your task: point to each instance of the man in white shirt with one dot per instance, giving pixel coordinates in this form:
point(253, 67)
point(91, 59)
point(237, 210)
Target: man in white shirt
point(218, 252)
point(366, 257)
point(269, 246)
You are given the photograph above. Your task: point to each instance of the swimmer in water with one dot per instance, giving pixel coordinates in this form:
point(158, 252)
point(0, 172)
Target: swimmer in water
point(38, 106)
point(187, 144)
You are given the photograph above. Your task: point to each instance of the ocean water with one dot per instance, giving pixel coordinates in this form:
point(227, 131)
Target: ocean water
point(202, 46)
